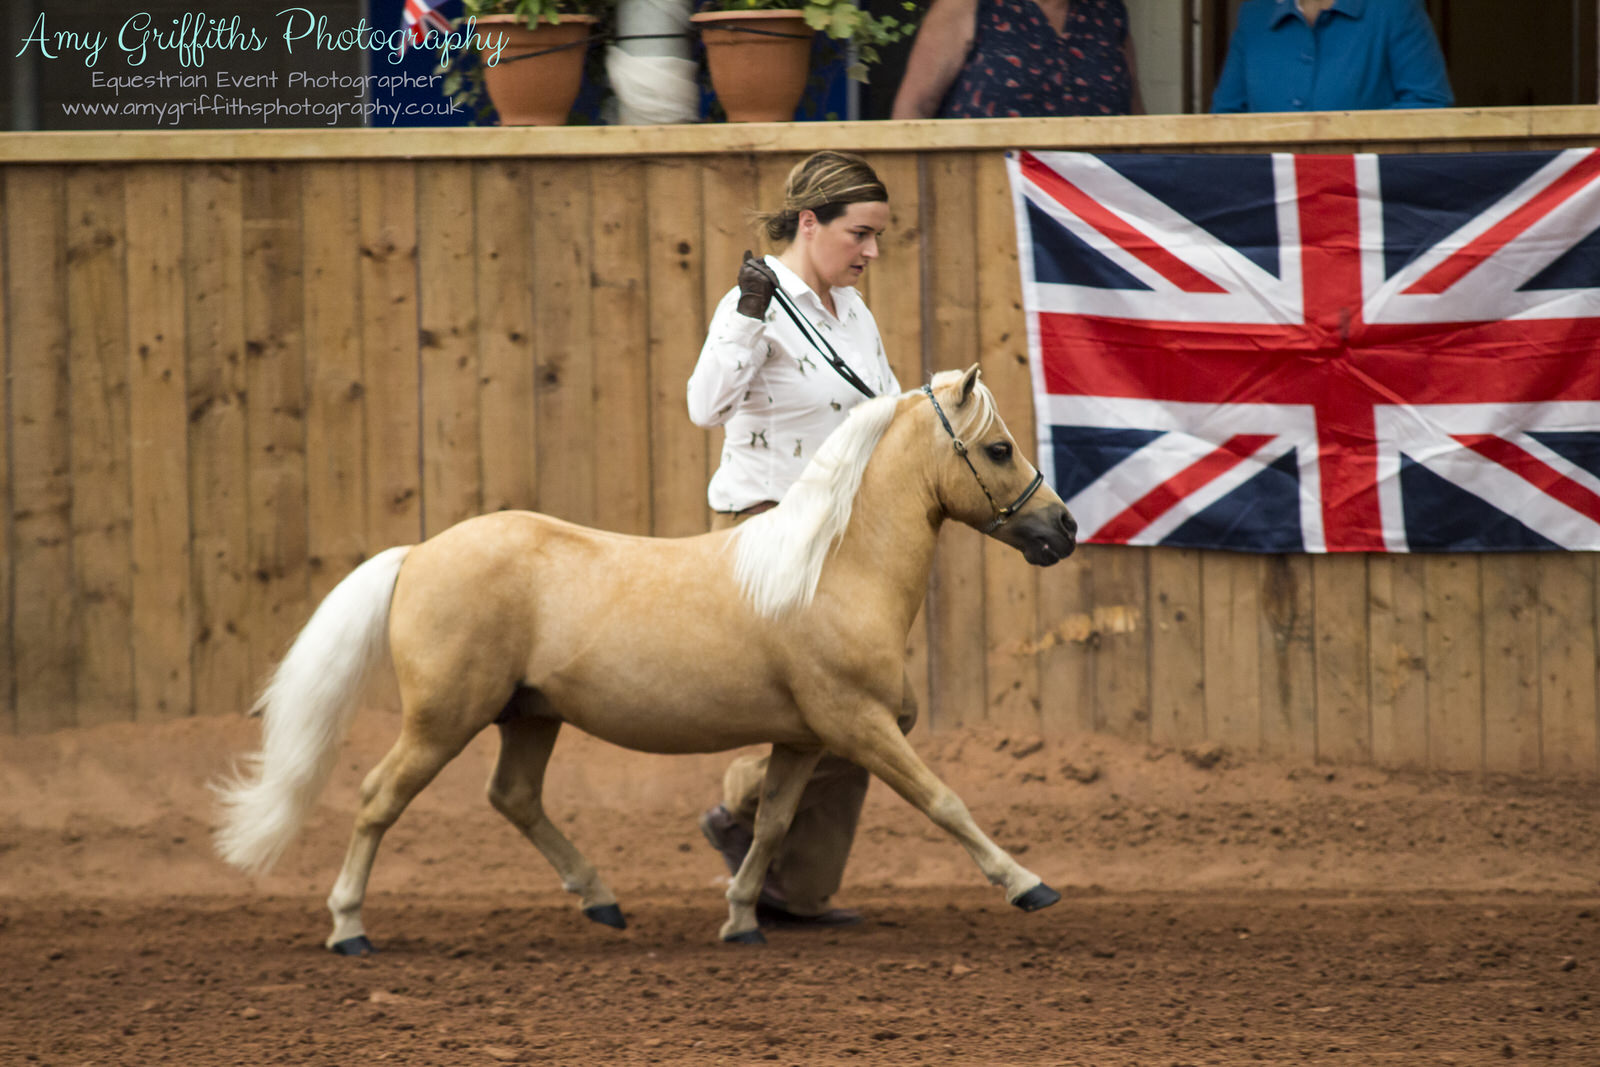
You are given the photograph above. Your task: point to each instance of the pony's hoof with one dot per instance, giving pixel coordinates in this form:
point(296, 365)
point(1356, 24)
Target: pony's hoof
point(606, 915)
point(1040, 896)
point(353, 946)
point(749, 937)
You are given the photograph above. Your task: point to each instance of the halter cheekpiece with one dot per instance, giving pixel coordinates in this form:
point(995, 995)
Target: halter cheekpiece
point(1002, 515)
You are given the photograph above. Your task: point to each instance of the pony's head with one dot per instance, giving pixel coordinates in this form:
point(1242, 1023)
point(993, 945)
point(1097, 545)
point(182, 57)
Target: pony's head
point(984, 480)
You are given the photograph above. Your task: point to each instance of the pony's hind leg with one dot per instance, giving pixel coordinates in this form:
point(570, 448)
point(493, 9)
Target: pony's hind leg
point(788, 771)
point(402, 773)
point(515, 790)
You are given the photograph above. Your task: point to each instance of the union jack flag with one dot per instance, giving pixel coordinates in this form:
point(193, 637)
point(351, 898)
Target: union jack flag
point(419, 17)
point(1317, 353)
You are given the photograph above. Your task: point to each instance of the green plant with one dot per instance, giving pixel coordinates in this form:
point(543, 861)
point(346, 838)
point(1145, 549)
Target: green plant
point(842, 20)
point(531, 11)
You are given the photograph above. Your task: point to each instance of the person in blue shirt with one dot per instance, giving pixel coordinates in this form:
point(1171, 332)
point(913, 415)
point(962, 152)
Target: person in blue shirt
point(1332, 55)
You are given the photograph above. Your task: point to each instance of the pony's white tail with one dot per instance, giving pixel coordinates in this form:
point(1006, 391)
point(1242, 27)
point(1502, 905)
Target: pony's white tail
point(305, 709)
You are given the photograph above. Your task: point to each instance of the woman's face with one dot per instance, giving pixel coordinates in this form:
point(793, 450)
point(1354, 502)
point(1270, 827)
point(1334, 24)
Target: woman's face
point(840, 250)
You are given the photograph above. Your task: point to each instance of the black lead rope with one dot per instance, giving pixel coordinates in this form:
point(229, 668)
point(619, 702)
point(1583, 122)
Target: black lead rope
point(1002, 515)
point(819, 342)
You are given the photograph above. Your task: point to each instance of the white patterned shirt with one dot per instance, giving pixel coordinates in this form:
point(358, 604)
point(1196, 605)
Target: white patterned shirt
point(776, 395)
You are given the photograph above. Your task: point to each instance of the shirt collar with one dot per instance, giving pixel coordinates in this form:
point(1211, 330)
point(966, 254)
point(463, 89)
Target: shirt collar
point(796, 287)
point(1288, 9)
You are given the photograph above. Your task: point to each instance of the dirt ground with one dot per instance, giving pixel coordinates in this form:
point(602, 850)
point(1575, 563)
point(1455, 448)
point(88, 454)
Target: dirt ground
point(1236, 913)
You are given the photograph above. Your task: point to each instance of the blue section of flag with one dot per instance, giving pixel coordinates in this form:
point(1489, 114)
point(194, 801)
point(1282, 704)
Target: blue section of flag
point(1578, 268)
point(1083, 453)
point(1416, 217)
point(1441, 517)
point(1060, 257)
point(1190, 184)
point(1579, 449)
point(1262, 515)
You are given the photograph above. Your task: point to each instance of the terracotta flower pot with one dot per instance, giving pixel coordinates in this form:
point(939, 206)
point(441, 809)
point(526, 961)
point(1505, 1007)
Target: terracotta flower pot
point(759, 77)
point(537, 90)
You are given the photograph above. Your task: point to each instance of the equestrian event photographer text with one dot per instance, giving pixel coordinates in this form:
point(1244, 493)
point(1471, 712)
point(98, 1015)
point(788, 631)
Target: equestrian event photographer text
point(195, 35)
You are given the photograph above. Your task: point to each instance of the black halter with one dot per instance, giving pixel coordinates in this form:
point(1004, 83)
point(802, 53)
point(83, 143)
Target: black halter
point(1002, 515)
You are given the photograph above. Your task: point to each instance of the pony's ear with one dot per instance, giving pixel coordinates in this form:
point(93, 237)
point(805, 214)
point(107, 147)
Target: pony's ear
point(969, 382)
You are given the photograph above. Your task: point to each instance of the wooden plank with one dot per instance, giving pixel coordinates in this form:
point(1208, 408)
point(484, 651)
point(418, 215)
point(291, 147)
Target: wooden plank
point(505, 272)
point(1122, 656)
point(1010, 585)
point(274, 316)
point(1511, 661)
point(619, 313)
point(1067, 642)
point(725, 185)
point(564, 341)
point(957, 640)
point(1177, 648)
point(43, 617)
point(102, 518)
point(1503, 126)
point(677, 330)
point(158, 452)
point(452, 471)
point(8, 556)
point(335, 258)
point(897, 307)
point(1567, 663)
point(897, 275)
point(1344, 721)
point(1397, 646)
point(1230, 584)
point(1288, 658)
point(1455, 662)
point(218, 466)
point(391, 349)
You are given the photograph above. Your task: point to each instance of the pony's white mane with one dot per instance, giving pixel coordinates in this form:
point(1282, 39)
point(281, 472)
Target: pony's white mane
point(779, 554)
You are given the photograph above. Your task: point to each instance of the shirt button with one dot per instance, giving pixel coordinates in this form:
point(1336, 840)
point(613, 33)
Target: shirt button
point(1298, 102)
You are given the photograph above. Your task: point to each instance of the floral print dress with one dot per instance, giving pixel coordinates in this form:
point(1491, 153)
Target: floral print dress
point(1020, 66)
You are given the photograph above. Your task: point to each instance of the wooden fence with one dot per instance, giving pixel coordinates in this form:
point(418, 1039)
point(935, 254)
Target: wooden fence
point(236, 364)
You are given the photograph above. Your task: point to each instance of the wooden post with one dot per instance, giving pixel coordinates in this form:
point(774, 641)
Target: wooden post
point(97, 323)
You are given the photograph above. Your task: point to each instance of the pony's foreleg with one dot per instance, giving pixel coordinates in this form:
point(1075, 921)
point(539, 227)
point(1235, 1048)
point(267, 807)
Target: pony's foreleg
point(515, 790)
point(788, 771)
point(872, 740)
point(402, 773)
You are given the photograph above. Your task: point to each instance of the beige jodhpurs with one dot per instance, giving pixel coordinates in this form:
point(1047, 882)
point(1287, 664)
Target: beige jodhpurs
point(809, 864)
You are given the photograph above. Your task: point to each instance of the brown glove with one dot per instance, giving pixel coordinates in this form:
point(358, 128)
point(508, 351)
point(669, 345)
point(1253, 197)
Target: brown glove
point(757, 284)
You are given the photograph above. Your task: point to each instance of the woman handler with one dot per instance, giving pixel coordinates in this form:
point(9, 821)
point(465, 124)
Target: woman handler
point(777, 397)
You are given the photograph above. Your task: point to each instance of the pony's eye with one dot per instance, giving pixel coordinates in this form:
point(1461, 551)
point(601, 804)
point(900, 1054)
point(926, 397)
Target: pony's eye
point(1000, 451)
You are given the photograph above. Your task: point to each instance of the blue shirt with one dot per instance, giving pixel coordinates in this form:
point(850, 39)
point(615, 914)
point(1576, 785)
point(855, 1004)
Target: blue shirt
point(1360, 54)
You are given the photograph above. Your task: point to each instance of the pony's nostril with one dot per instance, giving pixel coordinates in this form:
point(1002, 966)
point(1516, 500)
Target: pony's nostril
point(1069, 525)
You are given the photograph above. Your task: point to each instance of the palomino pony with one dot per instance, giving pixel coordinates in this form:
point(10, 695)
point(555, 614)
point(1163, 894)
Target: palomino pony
point(789, 629)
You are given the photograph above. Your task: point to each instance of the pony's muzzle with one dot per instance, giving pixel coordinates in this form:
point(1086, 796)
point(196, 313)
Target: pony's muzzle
point(1044, 536)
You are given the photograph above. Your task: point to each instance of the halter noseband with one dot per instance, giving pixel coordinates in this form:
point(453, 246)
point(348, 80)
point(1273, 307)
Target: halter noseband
point(1002, 515)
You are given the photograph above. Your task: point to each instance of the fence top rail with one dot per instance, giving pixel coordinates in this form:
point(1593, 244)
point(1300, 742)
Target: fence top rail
point(1367, 129)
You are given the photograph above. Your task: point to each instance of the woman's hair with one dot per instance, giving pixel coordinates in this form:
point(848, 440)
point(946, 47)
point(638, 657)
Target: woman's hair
point(825, 183)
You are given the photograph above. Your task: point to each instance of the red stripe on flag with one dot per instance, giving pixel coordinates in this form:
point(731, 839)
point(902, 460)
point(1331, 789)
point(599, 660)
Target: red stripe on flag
point(1496, 237)
point(1347, 459)
point(1164, 497)
point(1532, 469)
point(1128, 238)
